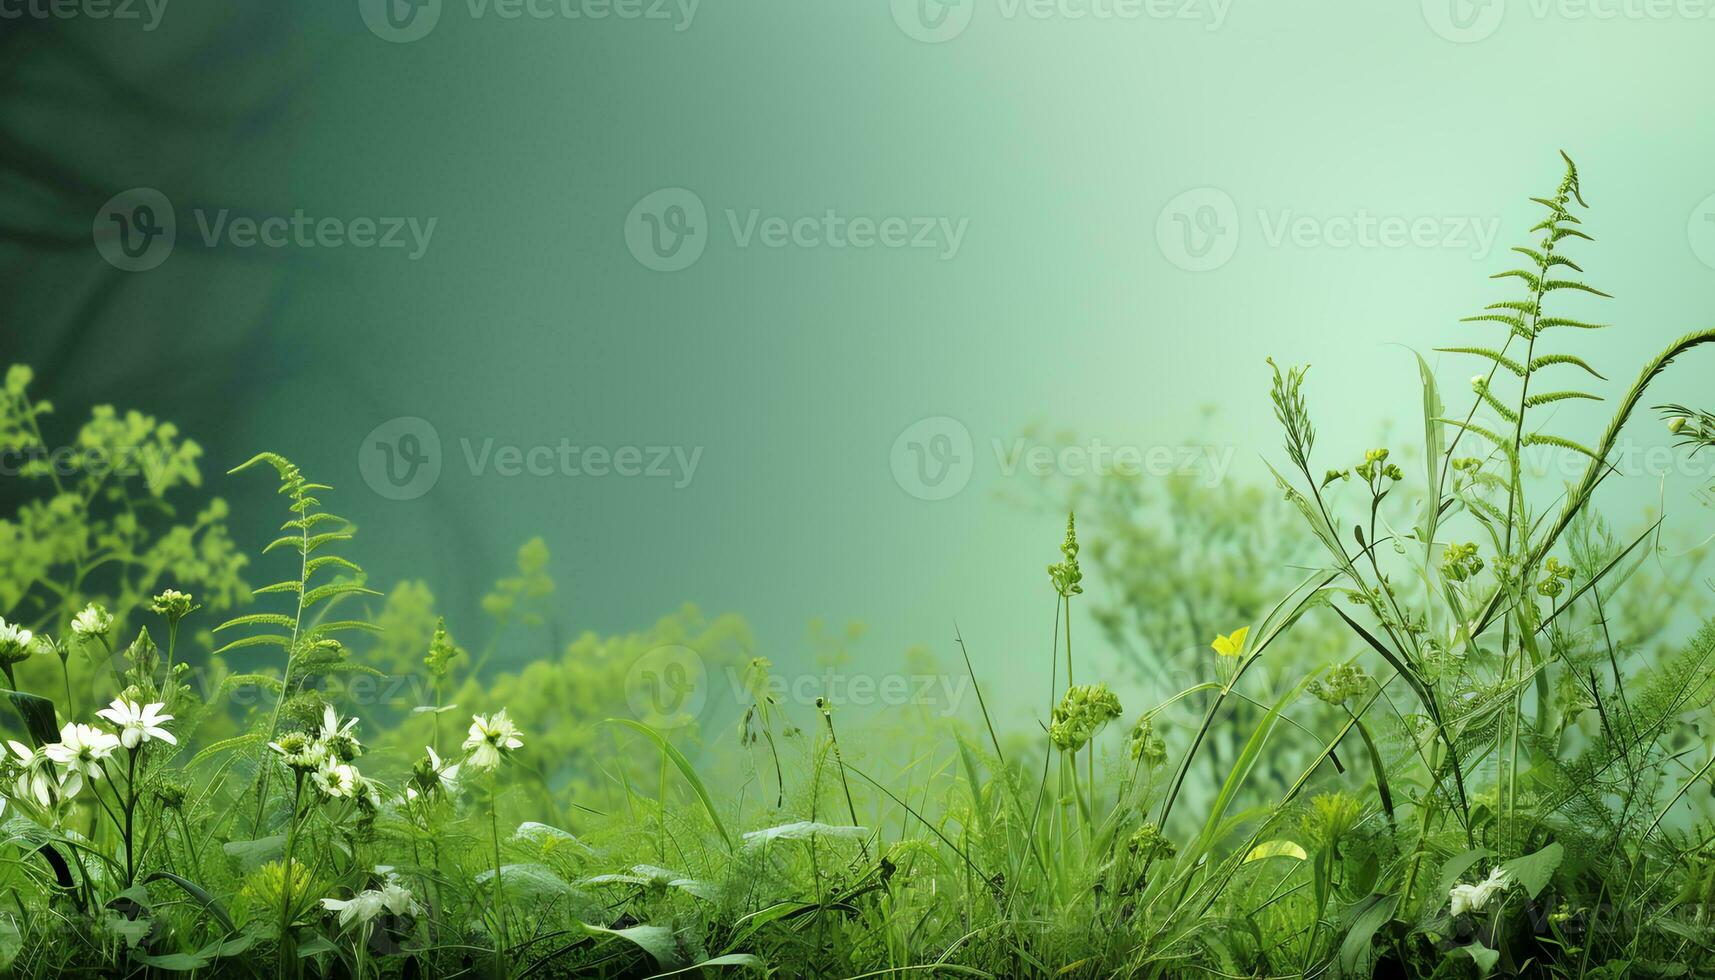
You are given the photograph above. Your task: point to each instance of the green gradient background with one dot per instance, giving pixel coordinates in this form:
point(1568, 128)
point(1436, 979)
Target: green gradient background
point(1059, 140)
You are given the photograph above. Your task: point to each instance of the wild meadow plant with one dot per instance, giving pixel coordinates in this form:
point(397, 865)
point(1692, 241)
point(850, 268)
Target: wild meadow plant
point(1459, 743)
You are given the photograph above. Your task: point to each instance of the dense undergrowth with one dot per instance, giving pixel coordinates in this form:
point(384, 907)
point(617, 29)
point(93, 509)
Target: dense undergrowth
point(1462, 734)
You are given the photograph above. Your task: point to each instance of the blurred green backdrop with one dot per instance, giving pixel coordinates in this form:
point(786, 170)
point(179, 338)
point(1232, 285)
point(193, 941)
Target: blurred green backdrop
point(1094, 215)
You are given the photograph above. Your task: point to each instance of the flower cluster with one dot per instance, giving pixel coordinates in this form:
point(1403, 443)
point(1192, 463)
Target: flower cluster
point(59, 770)
point(1080, 714)
point(1149, 843)
point(326, 756)
point(1460, 562)
point(366, 905)
point(1472, 898)
point(1145, 746)
point(92, 623)
point(174, 605)
point(1065, 574)
point(1554, 578)
point(1344, 682)
point(1375, 471)
point(16, 643)
point(1375, 468)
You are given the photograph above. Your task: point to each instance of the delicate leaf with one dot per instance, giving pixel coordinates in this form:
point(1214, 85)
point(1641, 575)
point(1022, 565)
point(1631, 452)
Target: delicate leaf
point(1276, 848)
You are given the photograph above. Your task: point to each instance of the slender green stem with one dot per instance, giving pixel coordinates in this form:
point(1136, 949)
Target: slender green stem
point(501, 943)
point(288, 957)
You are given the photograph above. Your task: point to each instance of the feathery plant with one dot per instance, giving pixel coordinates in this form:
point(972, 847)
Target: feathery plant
point(310, 643)
point(1499, 654)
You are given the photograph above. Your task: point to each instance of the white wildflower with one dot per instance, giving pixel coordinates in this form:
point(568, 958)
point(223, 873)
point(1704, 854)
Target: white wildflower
point(92, 622)
point(80, 750)
point(340, 736)
point(337, 779)
point(491, 739)
point(138, 724)
point(359, 908)
point(15, 642)
point(300, 752)
point(1472, 898)
point(366, 905)
point(35, 775)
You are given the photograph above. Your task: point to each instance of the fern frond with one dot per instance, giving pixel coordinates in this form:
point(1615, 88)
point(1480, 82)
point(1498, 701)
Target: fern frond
point(1554, 285)
point(1558, 321)
point(225, 745)
point(1516, 324)
point(345, 626)
point(305, 523)
point(1548, 261)
point(281, 465)
point(1531, 279)
point(315, 541)
point(324, 592)
point(257, 619)
point(1523, 306)
point(1492, 355)
point(1475, 429)
point(1499, 406)
point(235, 681)
point(1544, 439)
point(287, 541)
point(1545, 360)
point(1550, 397)
point(257, 640)
point(292, 586)
point(320, 562)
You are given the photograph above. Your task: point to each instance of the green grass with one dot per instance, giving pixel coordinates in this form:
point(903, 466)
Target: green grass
point(1460, 735)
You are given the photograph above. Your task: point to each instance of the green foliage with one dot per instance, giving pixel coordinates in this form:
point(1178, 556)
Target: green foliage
point(1466, 740)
